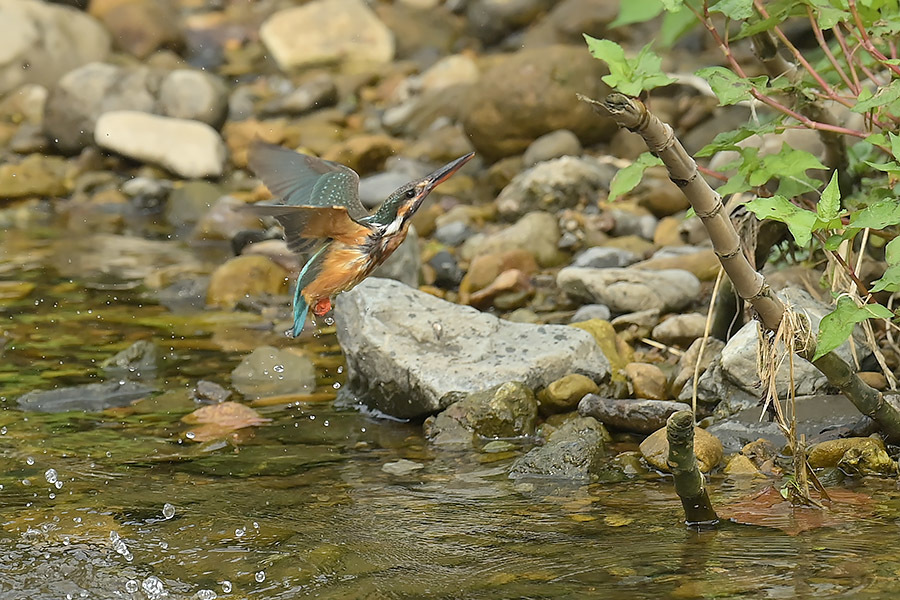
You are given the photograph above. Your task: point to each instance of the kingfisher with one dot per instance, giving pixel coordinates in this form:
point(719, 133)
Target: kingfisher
point(318, 206)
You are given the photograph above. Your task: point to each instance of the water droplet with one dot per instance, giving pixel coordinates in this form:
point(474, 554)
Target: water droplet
point(131, 586)
point(206, 595)
point(278, 368)
point(238, 532)
point(29, 460)
point(168, 511)
point(329, 321)
point(336, 385)
point(164, 545)
point(190, 435)
point(51, 476)
point(226, 586)
point(153, 587)
point(58, 485)
point(2, 430)
point(255, 525)
point(260, 576)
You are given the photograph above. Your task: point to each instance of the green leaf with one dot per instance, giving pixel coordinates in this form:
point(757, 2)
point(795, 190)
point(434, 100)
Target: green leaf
point(626, 179)
point(890, 281)
point(629, 77)
point(728, 87)
point(877, 216)
point(800, 222)
point(728, 140)
point(734, 9)
point(636, 12)
point(676, 24)
point(672, 5)
point(885, 95)
point(837, 326)
point(834, 242)
point(779, 10)
point(895, 145)
point(829, 205)
point(827, 16)
point(892, 251)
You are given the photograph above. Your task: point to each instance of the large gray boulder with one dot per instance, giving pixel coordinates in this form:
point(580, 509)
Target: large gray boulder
point(631, 290)
point(42, 41)
point(410, 354)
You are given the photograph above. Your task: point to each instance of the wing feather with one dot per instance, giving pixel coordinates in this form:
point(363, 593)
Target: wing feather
point(304, 226)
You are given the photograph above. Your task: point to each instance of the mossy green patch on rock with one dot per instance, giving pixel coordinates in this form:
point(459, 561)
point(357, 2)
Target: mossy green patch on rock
point(617, 352)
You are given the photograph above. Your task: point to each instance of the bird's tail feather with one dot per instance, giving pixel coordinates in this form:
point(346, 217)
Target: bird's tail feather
point(301, 309)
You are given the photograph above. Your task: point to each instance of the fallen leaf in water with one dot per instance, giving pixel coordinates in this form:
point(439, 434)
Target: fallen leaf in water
point(218, 420)
point(768, 508)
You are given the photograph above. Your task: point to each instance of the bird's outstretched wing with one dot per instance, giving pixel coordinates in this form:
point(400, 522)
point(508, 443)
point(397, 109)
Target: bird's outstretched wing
point(316, 198)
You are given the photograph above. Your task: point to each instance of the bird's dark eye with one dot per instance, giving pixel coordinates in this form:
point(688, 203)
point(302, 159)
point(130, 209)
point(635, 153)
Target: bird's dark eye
point(411, 193)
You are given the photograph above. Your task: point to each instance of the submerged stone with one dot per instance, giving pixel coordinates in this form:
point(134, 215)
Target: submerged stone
point(138, 360)
point(573, 452)
point(505, 411)
point(268, 371)
point(92, 397)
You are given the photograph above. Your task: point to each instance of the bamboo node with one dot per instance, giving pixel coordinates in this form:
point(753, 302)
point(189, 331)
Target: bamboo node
point(714, 212)
point(729, 254)
point(683, 183)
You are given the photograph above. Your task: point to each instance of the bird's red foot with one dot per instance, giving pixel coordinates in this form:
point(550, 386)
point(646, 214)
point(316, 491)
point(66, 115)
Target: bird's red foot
point(321, 307)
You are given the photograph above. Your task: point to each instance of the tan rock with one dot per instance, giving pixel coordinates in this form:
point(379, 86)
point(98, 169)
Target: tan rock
point(707, 448)
point(864, 456)
point(485, 268)
point(668, 232)
point(647, 381)
point(704, 264)
point(364, 154)
point(36, 175)
point(741, 466)
point(617, 352)
point(139, 27)
point(875, 379)
point(243, 277)
point(564, 394)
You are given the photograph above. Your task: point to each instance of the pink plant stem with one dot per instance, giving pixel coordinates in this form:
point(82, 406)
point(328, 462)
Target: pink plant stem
point(838, 34)
point(867, 41)
point(798, 56)
point(827, 50)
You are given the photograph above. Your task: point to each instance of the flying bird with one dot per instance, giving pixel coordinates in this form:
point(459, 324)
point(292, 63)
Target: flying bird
point(317, 203)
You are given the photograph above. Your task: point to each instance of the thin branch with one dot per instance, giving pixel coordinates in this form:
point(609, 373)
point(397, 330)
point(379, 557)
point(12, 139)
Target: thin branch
point(867, 41)
point(823, 44)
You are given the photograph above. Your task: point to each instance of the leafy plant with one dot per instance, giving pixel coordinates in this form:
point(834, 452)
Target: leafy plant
point(839, 206)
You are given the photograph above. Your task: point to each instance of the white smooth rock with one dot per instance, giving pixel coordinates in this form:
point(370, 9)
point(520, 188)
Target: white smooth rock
point(189, 149)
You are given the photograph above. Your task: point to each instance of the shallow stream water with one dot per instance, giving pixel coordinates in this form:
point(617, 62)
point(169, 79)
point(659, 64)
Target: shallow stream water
point(121, 504)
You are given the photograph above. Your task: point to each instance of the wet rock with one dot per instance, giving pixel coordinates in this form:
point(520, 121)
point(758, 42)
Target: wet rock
point(573, 452)
point(209, 392)
point(505, 411)
point(589, 312)
point(703, 263)
point(564, 182)
point(190, 201)
point(688, 361)
point(680, 330)
point(447, 273)
point(453, 70)
point(401, 467)
point(92, 397)
point(82, 95)
point(194, 95)
point(647, 381)
point(15, 290)
point(741, 466)
point(641, 416)
point(600, 257)
point(268, 371)
point(487, 267)
point(138, 360)
point(564, 394)
point(453, 234)
point(707, 448)
point(629, 222)
point(140, 27)
point(42, 41)
point(35, 175)
point(738, 359)
point(410, 354)
point(532, 92)
point(190, 149)
point(617, 352)
point(243, 277)
point(225, 219)
point(490, 20)
point(629, 290)
point(510, 290)
point(318, 92)
point(555, 144)
point(569, 20)
point(25, 104)
point(119, 257)
point(536, 232)
point(858, 456)
point(819, 418)
point(327, 31)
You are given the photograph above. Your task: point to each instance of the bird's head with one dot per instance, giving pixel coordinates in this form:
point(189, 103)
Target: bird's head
point(403, 203)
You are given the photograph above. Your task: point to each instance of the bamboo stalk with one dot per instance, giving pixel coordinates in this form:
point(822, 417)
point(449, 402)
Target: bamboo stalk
point(689, 484)
point(748, 283)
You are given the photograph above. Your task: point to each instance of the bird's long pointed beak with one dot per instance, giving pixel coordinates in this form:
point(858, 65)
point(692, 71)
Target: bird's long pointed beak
point(443, 174)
